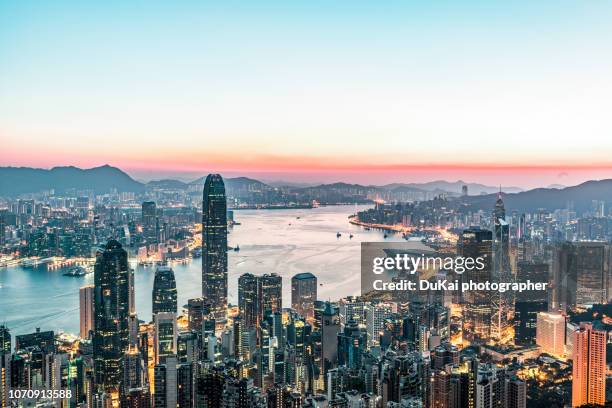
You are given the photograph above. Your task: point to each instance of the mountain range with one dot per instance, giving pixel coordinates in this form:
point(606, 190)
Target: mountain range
point(580, 198)
point(16, 181)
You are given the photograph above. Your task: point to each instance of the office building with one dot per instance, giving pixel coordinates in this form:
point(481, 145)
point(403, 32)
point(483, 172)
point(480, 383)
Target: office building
point(86, 310)
point(589, 366)
point(149, 221)
point(525, 321)
point(477, 307)
point(166, 333)
point(214, 246)
point(164, 291)
point(550, 333)
point(111, 312)
point(304, 294)
point(258, 295)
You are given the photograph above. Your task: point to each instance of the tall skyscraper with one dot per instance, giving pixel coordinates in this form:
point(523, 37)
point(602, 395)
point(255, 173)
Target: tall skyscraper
point(111, 312)
point(550, 333)
point(5, 377)
point(149, 221)
point(477, 311)
point(132, 293)
point(502, 303)
point(164, 290)
point(5, 339)
point(589, 366)
point(304, 294)
point(2, 228)
point(214, 246)
point(329, 330)
point(86, 308)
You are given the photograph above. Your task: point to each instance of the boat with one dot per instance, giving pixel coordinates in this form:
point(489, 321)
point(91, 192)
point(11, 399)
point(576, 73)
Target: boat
point(76, 272)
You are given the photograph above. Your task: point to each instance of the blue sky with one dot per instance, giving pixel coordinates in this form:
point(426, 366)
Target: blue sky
point(288, 85)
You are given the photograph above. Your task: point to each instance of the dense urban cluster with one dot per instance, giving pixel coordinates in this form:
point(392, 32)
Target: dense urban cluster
point(443, 349)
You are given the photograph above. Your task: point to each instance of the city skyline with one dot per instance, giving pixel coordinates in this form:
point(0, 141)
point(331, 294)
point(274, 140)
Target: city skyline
point(361, 93)
point(448, 348)
point(305, 204)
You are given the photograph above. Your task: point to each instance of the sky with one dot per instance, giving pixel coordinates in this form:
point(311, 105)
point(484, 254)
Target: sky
point(513, 93)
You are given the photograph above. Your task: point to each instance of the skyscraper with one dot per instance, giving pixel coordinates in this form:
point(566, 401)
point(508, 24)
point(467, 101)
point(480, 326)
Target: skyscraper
point(149, 221)
point(164, 291)
point(329, 330)
point(86, 308)
point(5, 339)
point(111, 312)
point(589, 366)
point(581, 274)
point(502, 303)
point(196, 310)
point(214, 246)
point(271, 293)
point(516, 393)
point(304, 294)
point(258, 295)
point(477, 311)
point(166, 334)
point(248, 303)
point(2, 228)
point(165, 383)
point(593, 263)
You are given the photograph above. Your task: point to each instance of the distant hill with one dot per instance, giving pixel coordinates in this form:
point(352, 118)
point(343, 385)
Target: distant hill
point(581, 197)
point(24, 180)
point(455, 187)
point(16, 181)
point(167, 184)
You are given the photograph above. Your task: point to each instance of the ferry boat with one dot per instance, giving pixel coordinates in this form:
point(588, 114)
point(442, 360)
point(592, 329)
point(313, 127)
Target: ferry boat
point(77, 271)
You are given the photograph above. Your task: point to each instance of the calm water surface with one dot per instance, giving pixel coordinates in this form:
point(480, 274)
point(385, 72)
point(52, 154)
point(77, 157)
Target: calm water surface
point(282, 241)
